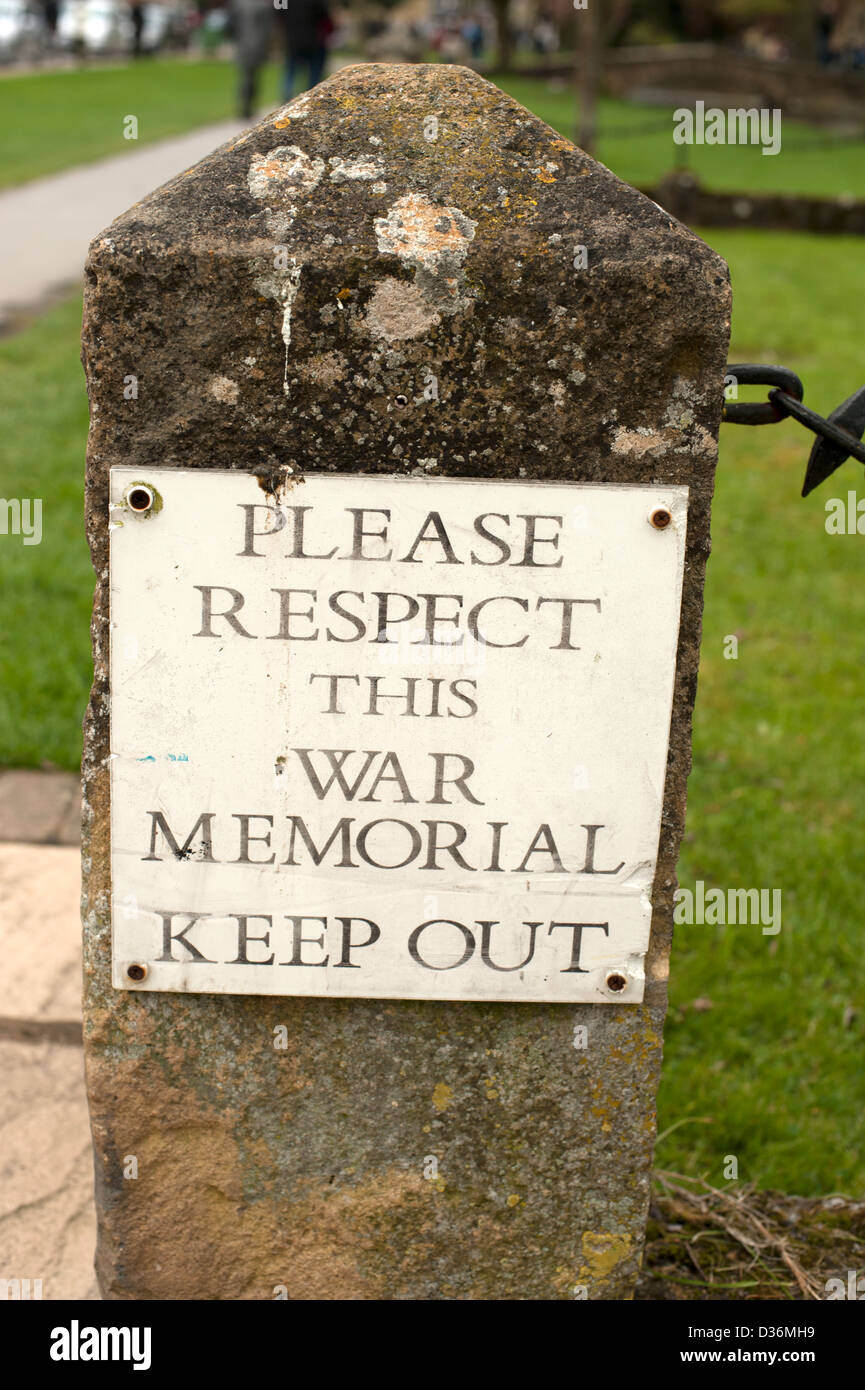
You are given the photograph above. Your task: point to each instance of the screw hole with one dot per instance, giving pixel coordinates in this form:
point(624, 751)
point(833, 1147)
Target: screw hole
point(401, 400)
point(140, 498)
point(661, 518)
point(616, 982)
point(136, 972)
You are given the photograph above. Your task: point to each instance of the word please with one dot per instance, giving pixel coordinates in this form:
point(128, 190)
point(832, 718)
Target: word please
point(524, 544)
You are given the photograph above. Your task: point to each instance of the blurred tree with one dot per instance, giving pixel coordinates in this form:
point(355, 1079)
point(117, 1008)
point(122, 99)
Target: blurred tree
point(504, 40)
point(698, 19)
point(595, 33)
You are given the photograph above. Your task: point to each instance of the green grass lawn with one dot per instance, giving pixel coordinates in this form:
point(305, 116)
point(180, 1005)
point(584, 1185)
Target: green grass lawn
point(775, 797)
point(51, 121)
point(44, 646)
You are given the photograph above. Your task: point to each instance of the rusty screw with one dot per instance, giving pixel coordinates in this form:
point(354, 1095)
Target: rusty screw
point(140, 497)
point(661, 518)
point(136, 972)
point(616, 982)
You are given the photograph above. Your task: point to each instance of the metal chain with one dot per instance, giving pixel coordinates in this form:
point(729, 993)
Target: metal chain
point(839, 437)
point(827, 429)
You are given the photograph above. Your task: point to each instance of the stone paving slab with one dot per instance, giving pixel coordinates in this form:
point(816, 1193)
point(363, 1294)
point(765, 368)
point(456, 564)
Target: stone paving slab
point(40, 808)
point(47, 1212)
point(69, 829)
point(40, 928)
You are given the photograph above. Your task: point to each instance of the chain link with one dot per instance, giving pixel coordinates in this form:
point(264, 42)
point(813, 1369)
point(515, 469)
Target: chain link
point(839, 437)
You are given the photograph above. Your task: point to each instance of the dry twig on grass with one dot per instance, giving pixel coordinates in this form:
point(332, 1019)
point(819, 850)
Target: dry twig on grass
point(747, 1244)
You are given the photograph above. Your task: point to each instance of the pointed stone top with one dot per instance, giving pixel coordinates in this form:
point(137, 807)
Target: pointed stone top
point(375, 133)
point(404, 269)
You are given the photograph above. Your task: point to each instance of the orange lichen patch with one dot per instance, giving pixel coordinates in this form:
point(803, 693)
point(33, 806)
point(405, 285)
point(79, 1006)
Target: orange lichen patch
point(544, 176)
point(287, 167)
point(638, 442)
point(270, 168)
point(422, 232)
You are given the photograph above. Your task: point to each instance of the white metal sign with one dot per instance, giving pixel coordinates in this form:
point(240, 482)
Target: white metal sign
point(389, 737)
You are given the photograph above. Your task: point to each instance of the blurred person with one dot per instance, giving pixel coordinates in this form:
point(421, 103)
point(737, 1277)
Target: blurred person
point(453, 47)
point(473, 35)
point(252, 22)
point(847, 41)
point(545, 38)
point(136, 10)
point(308, 26)
point(214, 27)
point(827, 17)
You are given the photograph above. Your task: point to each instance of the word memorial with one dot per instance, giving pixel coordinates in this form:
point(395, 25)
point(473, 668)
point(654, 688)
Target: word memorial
point(389, 737)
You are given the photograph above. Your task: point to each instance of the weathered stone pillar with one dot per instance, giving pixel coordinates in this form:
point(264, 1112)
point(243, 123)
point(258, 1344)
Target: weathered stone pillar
point(400, 273)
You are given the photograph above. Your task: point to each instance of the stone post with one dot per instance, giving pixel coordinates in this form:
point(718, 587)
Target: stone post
point(403, 273)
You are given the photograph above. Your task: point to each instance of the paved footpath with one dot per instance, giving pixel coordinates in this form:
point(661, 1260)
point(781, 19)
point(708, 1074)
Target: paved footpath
point(46, 226)
point(47, 1215)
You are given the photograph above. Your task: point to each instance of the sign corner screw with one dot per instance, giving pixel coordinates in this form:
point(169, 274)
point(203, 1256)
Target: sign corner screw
point(139, 498)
